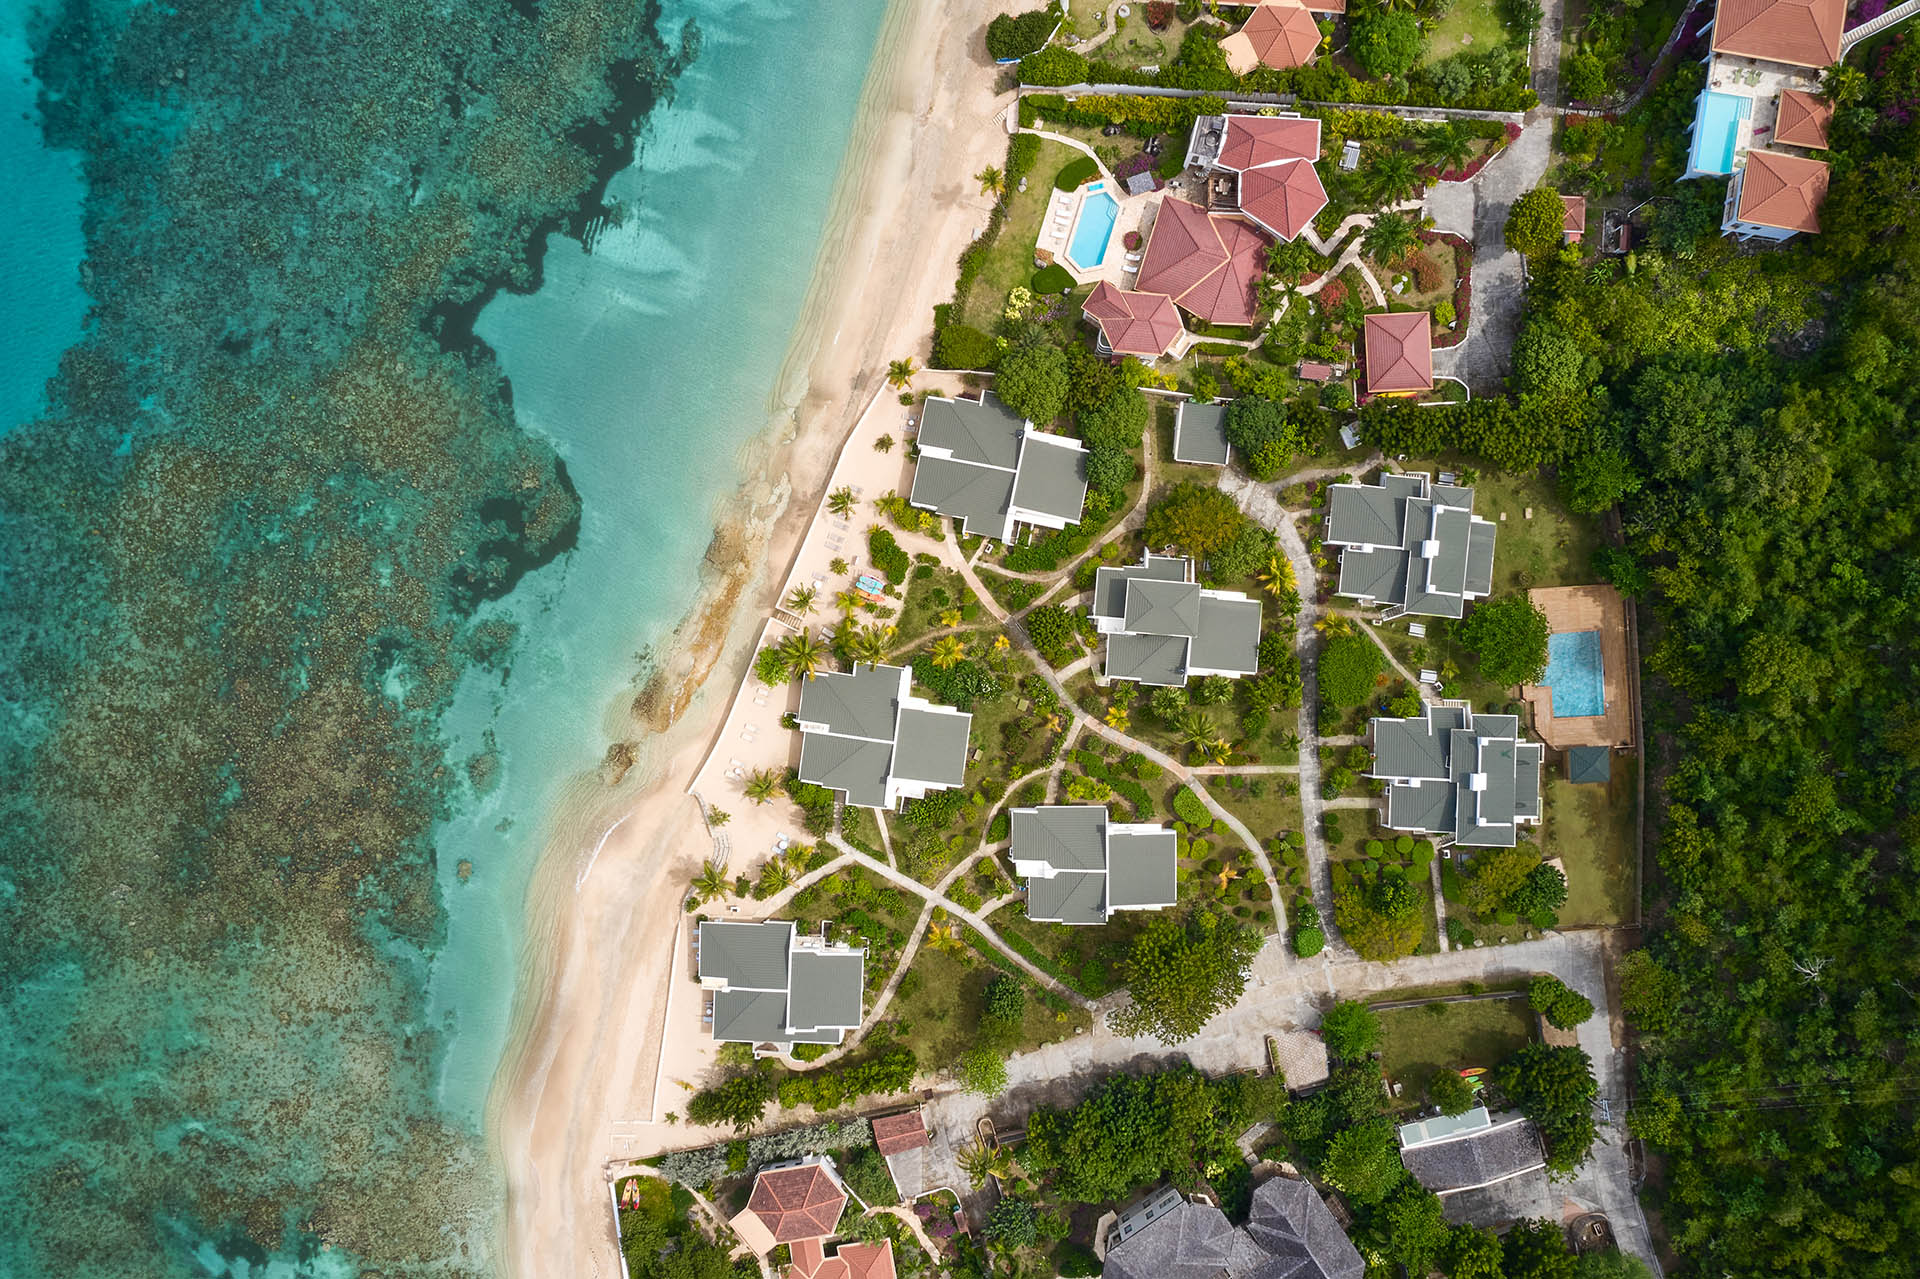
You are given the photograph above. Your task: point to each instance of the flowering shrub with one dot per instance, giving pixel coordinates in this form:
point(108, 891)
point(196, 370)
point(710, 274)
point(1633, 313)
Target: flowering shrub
point(1426, 273)
point(1866, 11)
point(1138, 163)
point(1132, 240)
point(1159, 14)
point(1333, 296)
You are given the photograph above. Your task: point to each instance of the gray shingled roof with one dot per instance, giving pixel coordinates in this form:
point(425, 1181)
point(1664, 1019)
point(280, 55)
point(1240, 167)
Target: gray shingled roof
point(1425, 552)
point(772, 986)
point(1071, 897)
point(750, 1016)
point(1052, 480)
point(826, 990)
point(1142, 870)
point(1065, 836)
point(1480, 559)
point(931, 747)
point(1365, 513)
point(1150, 659)
point(1162, 608)
point(1290, 1235)
point(1507, 1149)
point(1587, 765)
point(1110, 584)
point(861, 704)
point(987, 432)
point(850, 764)
point(1476, 779)
point(979, 497)
point(746, 956)
point(1229, 636)
point(1200, 434)
point(1375, 575)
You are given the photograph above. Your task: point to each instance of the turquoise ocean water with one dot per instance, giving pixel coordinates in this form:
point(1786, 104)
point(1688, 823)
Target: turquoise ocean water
point(308, 599)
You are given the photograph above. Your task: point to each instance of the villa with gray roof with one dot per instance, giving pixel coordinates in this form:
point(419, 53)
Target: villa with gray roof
point(1458, 775)
point(1163, 628)
point(984, 465)
point(1200, 434)
point(1470, 1151)
point(773, 988)
point(1410, 545)
point(867, 736)
point(1081, 865)
point(1290, 1234)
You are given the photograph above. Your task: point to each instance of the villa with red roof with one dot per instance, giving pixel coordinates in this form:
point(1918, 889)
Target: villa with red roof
point(1574, 224)
point(1206, 262)
point(1278, 33)
point(1803, 120)
point(1801, 33)
point(1142, 324)
point(790, 1203)
point(897, 1134)
point(1775, 197)
point(1262, 168)
point(811, 1260)
point(1399, 348)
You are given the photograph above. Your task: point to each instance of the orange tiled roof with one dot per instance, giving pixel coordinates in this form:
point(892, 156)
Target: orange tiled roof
point(1204, 262)
point(1803, 120)
point(1399, 352)
point(1281, 36)
point(1575, 222)
point(850, 1261)
point(1282, 197)
point(1781, 190)
point(1254, 140)
point(1134, 324)
point(895, 1133)
point(802, 1202)
point(1805, 33)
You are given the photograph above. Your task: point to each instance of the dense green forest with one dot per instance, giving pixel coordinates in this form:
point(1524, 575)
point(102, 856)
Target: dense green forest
point(1753, 417)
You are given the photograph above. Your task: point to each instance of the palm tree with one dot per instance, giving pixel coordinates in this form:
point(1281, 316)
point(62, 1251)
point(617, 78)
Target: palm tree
point(979, 1163)
point(712, 880)
point(800, 600)
point(991, 180)
point(1218, 751)
point(947, 651)
point(1196, 729)
point(1117, 718)
point(944, 933)
point(762, 785)
point(1391, 179)
point(803, 652)
point(950, 617)
point(1389, 239)
point(900, 373)
point(870, 644)
point(1448, 147)
point(841, 501)
point(773, 878)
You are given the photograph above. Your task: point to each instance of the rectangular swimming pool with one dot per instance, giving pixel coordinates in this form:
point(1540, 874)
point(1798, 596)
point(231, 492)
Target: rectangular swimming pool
point(1575, 675)
point(1716, 130)
point(1098, 212)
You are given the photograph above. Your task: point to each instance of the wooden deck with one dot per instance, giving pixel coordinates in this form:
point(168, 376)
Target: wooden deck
point(1571, 609)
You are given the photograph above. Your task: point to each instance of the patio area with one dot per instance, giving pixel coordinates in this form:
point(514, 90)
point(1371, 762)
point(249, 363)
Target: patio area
point(1571, 610)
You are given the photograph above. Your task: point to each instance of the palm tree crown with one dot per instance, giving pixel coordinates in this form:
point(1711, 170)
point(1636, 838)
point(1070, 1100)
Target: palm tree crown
point(803, 652)
point(841, 501)
point(948, 650)
point(900, 373)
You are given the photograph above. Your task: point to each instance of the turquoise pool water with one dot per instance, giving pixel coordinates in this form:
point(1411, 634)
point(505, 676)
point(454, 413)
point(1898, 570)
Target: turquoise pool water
point(1716, 127)
point(1098, 212)
point(1575, 675)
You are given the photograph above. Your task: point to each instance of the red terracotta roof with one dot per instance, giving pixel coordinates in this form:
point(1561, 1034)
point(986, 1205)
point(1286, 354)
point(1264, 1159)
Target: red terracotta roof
point(1282, 197)
point(1399, 352)
point(1781, 190)
point(1254, 140)
point(802, 1202)
point(1134, 324)
point(1575, 223)
point(850, 1261)
point(1281, 36)
point(1205, 262)
point(895, 1133)
point(1805, 33)
point(1313, 371)
point(1325, 6)
point(1803, 119)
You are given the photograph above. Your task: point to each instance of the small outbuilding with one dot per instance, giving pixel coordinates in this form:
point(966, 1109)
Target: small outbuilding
point(1589, 765)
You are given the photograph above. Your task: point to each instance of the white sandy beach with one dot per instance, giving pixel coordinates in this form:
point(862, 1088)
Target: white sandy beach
point(577, 1089)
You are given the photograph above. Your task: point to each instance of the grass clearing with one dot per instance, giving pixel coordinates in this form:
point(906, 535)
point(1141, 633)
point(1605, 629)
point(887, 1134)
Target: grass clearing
point(1420, 1041)
point(1592, 830)
point(939, 1005)
point(1470, 25)
point(1088, 959)
point(1009, 260)
point(1554, 548)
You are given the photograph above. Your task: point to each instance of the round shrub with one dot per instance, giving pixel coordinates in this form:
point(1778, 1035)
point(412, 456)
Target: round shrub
point(1308, 942)
point(1404, 845)
point(1375, 848)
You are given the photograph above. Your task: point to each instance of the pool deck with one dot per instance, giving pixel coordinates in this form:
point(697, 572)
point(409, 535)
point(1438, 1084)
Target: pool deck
point(1587, 608)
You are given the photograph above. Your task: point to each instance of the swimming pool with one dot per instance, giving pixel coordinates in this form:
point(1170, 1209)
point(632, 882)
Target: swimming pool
point(1098, 212)
point(1716, 129)
point(1575, 675)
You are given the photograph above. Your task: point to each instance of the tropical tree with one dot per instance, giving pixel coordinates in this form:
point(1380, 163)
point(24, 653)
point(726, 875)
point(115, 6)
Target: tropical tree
point(1559, 1003)
point(712, 880)
point(1181, 972)
point(948, 651)
point(983, 1069)
point(1197, 729)
point(979, 1162)
point(1389, 239)
point(1350, 1029)
point(1448, 147)
point(900, 373)
point(1218, 752)
point(1199, 519)
point(992, 181)
point(951, 617)
point(1277, 579)
point(1364, 1162)
point(841, 502)
point(1391, 178)
point(800, 600)
point(1117, 718)
point(1535, 222)
point(804, 654)
point(1509, 635)
point(763, 785)
point(773, 878)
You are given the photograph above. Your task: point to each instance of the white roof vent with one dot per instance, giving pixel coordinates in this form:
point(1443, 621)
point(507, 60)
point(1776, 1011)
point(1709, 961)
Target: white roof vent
point(1476, 781)
point(1430, 548)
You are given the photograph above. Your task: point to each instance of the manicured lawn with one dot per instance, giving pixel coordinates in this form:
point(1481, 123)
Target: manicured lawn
point(1553, 548)
point(1470, 24)
point(938, 1007)
point(1009, 261)
point(1136, 44)
point(1420, 1041)
point(1441, 257)
point(1591, 829)
point(1274, 811)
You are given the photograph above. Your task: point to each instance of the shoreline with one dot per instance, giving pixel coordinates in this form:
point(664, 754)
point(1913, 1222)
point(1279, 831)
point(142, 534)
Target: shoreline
point(604, 898)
